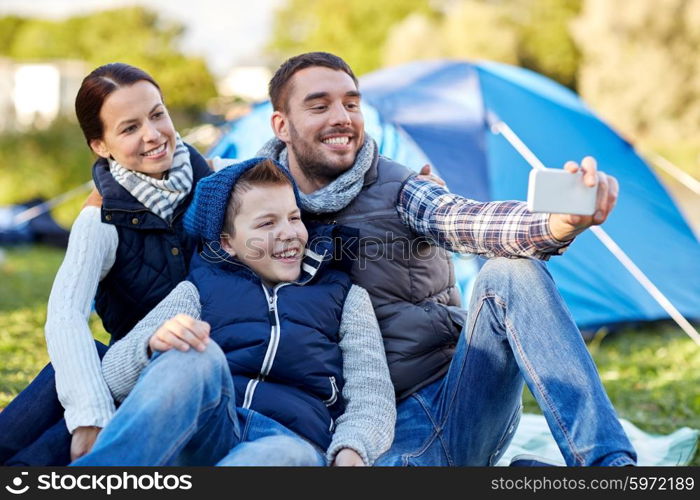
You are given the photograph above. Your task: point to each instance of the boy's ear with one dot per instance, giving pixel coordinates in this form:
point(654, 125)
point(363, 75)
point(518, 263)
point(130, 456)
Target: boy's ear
point(224, 241)
point(280, 125)
point(99, 147)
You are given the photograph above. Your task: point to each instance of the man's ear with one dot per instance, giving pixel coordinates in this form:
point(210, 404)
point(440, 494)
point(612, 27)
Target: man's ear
point(224, 242)
point(100, 148)
point(280, 126)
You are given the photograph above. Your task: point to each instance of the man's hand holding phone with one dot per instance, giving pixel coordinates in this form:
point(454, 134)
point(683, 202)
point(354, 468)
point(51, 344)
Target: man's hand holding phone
point(565, 226)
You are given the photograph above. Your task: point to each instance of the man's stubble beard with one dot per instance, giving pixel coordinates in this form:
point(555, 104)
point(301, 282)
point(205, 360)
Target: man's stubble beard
point(312, 162)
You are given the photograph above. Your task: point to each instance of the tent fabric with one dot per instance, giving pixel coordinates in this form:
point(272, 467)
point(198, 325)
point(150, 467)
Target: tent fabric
point(438, 112)
point(40, 229)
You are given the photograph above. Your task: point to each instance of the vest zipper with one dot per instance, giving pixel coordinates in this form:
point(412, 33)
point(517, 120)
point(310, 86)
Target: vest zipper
point(334, 393)
point(275, 333)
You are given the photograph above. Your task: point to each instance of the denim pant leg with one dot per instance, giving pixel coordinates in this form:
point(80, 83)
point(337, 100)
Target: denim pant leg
point(266, 442)
point(525, 307)
point(466, 418)
point(518, 327)
point(181, 412)
point(32, 429)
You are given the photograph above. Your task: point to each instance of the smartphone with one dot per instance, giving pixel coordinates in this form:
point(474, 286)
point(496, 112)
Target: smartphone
point(557, 191)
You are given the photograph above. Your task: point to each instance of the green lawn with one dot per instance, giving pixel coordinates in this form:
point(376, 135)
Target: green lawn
point(651, 374)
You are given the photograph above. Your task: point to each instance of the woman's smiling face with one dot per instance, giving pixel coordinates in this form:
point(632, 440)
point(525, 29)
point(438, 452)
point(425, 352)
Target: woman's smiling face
point(138, 132)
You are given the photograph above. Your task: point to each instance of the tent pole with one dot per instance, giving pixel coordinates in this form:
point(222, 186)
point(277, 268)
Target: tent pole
point(36, 211)
point(683, 177)
point(500, 127)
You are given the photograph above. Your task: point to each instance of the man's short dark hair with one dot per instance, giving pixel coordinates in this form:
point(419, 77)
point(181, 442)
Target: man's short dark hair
point(279, 87)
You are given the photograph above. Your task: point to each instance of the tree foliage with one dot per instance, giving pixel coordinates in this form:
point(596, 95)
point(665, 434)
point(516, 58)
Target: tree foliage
point(529, 33)
point(133, 35)
point(640, 66)
point(354, 30)
point(545, 42)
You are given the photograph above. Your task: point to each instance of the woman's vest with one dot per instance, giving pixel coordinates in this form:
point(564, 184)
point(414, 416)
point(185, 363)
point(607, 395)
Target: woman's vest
point(152, 257)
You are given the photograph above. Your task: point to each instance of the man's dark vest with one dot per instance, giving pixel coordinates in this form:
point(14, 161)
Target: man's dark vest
point(282, 343)
point(410, 281)
point(152, 257)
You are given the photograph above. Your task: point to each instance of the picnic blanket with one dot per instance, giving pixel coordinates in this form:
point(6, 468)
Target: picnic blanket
point(534, 438)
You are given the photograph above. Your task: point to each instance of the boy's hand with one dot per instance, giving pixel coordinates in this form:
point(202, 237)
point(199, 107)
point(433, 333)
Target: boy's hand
point(82, 441)
point(347, 457)
point(180, 332)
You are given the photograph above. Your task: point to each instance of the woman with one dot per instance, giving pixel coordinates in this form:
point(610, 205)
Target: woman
point(127, 251)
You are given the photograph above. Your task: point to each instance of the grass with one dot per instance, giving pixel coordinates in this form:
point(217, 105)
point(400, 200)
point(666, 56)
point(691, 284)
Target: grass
point(26, 276)
point(652, 374)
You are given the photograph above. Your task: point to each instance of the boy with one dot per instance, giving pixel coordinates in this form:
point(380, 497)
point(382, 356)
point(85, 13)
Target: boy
point(296, 339)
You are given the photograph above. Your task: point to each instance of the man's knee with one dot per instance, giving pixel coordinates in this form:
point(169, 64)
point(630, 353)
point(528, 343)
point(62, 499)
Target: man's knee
point(518, 272)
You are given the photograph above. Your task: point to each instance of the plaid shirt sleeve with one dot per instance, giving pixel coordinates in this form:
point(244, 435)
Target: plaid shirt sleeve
point(491, 229)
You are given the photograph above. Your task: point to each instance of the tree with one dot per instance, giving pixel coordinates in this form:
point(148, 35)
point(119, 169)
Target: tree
point(640, 66)
point(468, 29)
point(529, 33)
point(546, 44)
point(133, 35)
point(354, 30)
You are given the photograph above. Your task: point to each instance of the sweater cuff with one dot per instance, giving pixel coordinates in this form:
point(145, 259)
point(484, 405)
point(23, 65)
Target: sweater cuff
point(348, 442)
point(97, 417)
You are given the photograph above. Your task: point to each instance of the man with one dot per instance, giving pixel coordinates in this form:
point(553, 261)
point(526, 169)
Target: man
point(458, 380)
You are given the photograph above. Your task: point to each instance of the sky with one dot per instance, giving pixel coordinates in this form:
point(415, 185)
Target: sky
point(225, 32)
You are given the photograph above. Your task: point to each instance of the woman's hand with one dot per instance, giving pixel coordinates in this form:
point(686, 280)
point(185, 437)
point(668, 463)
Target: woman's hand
point(82, 441)
point(180, 332)
point(347, 457)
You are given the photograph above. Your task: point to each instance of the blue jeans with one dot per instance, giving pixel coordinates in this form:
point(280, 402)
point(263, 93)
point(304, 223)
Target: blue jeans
point(182, 411)
point(32, 429)
point(518, 330)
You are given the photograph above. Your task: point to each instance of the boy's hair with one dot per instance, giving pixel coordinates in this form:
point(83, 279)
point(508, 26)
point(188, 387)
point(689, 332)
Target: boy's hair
point(265, 173)
point(279, 87)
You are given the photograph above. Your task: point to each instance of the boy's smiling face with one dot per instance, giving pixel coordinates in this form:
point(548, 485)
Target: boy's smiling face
point(269, 236)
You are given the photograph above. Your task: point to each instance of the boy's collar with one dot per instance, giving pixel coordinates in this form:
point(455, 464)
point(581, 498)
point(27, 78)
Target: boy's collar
point(310, 264)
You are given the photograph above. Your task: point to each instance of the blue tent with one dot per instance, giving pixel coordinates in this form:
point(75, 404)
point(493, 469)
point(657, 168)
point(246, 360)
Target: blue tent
point(439, 112)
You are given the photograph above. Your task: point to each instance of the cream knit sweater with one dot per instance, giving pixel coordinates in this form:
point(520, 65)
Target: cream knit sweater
point(92, 248)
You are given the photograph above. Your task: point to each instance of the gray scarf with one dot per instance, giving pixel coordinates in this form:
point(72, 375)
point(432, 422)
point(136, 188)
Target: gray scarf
point(339, 193)
point(160, 196)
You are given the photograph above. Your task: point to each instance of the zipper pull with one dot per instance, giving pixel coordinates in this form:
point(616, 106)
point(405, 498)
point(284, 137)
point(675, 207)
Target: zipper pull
point(271, 311)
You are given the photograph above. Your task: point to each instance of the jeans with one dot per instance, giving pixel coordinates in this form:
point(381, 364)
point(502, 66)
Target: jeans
point(32, 429)
point(518, 330)
point(182, 411)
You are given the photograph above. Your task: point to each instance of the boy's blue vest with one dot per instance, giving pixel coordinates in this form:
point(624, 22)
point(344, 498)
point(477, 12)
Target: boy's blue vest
point(281, 344)
point(152, 257)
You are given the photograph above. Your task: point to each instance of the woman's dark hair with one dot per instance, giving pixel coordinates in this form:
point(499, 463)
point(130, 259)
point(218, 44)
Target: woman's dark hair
point(96, 87)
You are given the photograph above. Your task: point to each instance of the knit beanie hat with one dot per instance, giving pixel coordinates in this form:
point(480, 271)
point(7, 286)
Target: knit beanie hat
point(205, 215)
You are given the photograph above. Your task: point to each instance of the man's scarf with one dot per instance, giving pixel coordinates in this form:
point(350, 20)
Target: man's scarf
point(339, 193)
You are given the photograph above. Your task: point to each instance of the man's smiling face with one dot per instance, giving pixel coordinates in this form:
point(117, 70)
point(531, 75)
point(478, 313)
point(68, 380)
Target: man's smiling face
point(322, 123)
